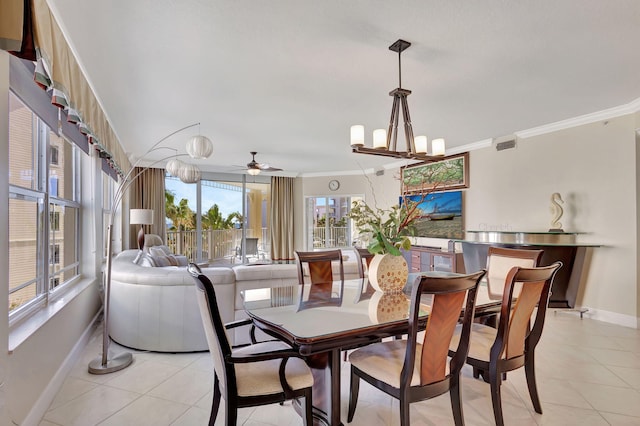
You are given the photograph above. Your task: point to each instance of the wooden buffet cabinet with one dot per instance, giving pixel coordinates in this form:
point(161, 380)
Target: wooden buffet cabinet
point(422, 259)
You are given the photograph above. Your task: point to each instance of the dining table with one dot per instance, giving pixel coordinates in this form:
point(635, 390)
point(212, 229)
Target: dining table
point(321, 320)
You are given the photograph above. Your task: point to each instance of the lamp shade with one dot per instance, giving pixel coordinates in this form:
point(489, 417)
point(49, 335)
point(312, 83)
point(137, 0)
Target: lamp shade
point(437, 147)
point(380, 138)
point(141, 217)
point(420, 142)
point(174, 166)
point(199, 147)
point(253, 172)
point(357, 135)
point(189, 173)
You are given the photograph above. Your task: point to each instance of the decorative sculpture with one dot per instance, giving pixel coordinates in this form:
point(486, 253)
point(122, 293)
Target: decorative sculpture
point(556, 211)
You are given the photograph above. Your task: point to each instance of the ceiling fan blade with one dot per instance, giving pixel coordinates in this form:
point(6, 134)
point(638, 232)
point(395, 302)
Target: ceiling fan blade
point(270, 169)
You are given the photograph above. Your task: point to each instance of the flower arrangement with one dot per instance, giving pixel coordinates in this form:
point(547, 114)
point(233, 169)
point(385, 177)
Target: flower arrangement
point(389, 228)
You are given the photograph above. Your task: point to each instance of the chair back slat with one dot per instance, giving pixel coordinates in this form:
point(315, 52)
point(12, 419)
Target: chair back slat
point(445, 313)
point(500, 260)
point(215, 331)
point(520, 317)
point(320, 272)
point(514, 326)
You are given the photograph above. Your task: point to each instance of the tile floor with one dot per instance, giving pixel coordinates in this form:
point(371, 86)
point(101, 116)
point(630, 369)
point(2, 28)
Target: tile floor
point(588, 374)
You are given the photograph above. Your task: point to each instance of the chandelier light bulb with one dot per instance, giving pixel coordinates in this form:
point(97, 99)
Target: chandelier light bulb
point(420, 143)
point(437, 147)
point(357, 135)
point(380, 139)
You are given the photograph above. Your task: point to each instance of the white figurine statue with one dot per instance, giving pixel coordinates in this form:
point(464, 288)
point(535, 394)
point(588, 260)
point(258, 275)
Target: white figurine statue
point(556, 211)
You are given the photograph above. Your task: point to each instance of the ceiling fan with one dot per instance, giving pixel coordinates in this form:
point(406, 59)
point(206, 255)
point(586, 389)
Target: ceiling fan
point(254, 168)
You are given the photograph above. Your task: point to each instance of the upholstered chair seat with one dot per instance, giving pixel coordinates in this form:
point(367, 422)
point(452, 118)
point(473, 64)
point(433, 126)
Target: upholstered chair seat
point(261, 378)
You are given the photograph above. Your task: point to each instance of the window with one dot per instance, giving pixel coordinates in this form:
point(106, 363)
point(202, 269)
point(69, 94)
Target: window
point(54, 252)
point(223, 219)
point(43, 236)
point(327, 224)
point(54, 156)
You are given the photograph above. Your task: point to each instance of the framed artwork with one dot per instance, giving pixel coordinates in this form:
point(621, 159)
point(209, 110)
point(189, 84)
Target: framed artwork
point(440, 214)
point(450, 173)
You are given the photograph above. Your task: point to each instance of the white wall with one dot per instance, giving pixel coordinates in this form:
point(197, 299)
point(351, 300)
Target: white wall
point(593, 167)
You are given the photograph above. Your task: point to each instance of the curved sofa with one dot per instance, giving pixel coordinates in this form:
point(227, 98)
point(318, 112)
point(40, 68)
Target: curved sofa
point(155, 308)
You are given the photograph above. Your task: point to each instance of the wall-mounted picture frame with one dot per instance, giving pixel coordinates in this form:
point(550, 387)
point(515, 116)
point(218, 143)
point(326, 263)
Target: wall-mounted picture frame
point(451, 172)
point(440, 214)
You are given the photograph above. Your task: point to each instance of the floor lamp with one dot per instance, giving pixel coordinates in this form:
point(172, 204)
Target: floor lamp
point(197, 147)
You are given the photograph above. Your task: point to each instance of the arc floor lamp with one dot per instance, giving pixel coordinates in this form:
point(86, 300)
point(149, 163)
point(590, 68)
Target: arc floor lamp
point(197, 147)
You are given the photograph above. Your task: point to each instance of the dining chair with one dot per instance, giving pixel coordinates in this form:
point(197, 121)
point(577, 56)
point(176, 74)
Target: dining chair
point(494, 351)
point(318, 267)
point(415, 369)
point(258, 374)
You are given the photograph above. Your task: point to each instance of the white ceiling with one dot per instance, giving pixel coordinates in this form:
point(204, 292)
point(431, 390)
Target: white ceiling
point(287, 78)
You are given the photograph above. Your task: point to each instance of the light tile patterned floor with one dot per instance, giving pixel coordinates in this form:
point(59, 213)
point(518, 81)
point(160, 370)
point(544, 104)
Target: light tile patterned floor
point(588, 374)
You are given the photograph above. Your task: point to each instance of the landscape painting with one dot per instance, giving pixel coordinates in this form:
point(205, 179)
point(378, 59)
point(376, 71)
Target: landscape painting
point(450, 173)
point(440, 214)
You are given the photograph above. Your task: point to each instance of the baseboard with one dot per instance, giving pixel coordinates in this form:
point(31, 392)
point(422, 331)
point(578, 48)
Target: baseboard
point(608, 316)
point(46, 397)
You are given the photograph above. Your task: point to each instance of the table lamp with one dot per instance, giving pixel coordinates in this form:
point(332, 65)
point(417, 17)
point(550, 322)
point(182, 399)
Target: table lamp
point(141, 217)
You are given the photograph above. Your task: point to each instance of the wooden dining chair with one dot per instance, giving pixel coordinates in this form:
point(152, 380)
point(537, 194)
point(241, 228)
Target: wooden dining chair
point(493, 352)
point(257, 374)
point(411, 370)
point(318, 289)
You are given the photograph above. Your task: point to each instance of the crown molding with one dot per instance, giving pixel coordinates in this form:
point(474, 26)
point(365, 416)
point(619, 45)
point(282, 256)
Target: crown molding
point(607, 114)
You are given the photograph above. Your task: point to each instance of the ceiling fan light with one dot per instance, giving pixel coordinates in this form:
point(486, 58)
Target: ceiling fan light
point(437, 147)
point(190, 173)
point(174, 166)
point(357, 135)
point(420, 142)
point(253, 172)
point(199, 147)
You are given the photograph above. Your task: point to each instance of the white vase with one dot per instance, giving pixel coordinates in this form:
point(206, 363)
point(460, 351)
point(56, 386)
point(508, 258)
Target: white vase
point(388, 273)
point(389, 306)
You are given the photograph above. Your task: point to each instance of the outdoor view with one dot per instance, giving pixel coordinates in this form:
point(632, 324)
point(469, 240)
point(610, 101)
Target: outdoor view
point(222, 220)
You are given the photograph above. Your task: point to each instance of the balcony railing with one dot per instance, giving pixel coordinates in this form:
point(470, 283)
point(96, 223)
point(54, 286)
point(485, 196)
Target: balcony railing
point(224, 244)
point(337, 236)
point(217, 244)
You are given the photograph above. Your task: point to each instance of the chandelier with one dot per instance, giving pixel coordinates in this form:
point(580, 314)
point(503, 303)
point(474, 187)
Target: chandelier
point(385, 142)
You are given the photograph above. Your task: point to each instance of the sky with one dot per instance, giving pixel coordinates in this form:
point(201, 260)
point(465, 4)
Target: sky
point(228, 201)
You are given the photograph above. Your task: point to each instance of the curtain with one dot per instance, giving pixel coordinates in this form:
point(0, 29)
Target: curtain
point(281, 223)
point(16, 28)
point(29, 30)
point(147, 192)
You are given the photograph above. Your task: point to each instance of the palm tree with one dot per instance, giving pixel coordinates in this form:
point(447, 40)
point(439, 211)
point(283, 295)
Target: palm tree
point(213, 219)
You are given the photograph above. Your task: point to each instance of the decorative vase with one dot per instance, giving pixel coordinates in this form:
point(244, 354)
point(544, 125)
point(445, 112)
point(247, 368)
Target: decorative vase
point(388, 273)
point(386, 307)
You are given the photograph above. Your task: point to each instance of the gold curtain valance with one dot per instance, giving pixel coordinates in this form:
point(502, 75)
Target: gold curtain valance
point(31, 32)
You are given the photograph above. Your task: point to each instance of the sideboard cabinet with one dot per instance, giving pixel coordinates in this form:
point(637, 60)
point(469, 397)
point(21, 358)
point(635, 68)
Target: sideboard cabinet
point(423, 259)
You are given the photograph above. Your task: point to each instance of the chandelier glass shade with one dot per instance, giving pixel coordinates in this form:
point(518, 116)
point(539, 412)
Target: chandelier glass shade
point(253, 172)
point(385, 142)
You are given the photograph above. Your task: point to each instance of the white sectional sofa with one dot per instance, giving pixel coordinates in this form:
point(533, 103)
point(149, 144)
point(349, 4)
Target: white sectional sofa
point(155, 309)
